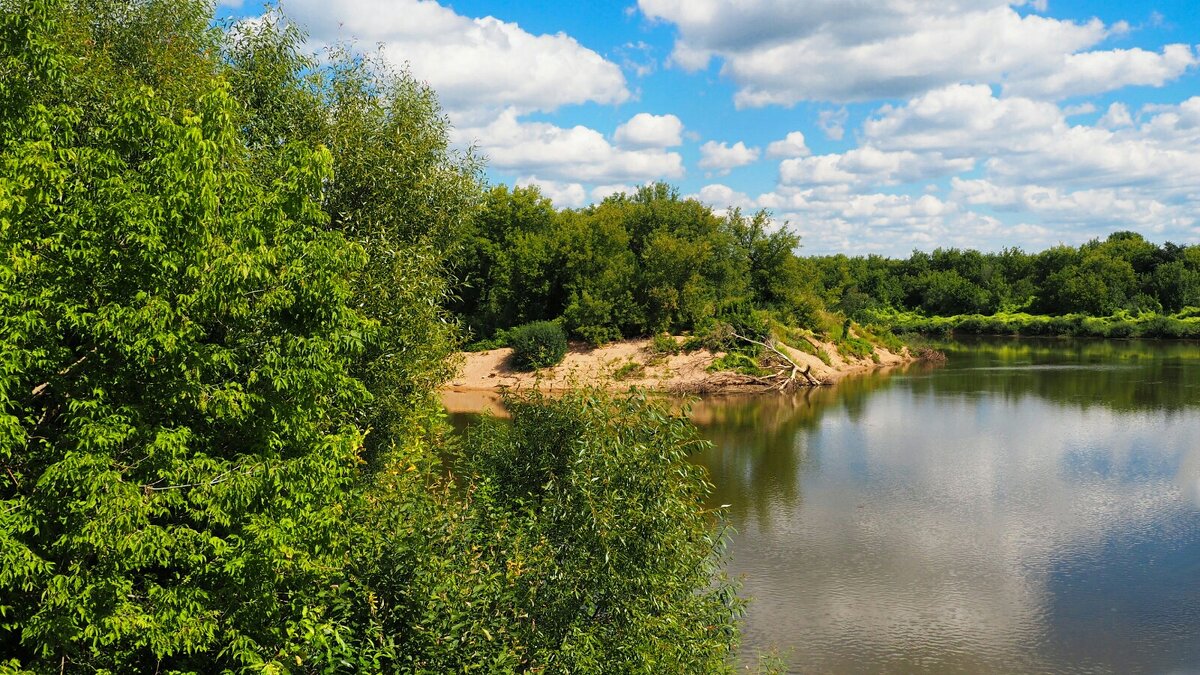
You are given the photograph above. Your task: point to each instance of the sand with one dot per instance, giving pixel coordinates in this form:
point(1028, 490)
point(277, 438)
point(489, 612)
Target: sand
point(607, 367)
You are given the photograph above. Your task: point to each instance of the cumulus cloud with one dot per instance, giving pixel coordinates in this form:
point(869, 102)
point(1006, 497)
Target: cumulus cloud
point(1116, 117)
point(1093, 207)
point(723, 157)
point(780, 52)
point(1100, 71)
point(575, 154)
point(564, 194)
point(1043, 180)
point(792, 145)
point(833, 123)
point(963, 120)
point(600, 192)
point(644, 130)
point(722, 197)
point(869, 166)
point(471, 62)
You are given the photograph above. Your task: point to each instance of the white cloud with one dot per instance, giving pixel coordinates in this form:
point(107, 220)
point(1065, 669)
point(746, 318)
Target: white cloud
point(869, 166)
point(1080, 109)
point(723, 157)
point(471, 62)
point(601, 191)
point(833, 123)
point(779, 52)
point(1030, 142)
point(563, 194)
point(962, 120)
point(1116, 117)
point(1100, 71)
point(722, 197)
point(644, 130)
point(792, 145)
point(1094, 207)
point(836, 219)
point(575, 154)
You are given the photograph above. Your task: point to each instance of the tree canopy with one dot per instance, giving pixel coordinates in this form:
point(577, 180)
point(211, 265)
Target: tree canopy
point(223, 267)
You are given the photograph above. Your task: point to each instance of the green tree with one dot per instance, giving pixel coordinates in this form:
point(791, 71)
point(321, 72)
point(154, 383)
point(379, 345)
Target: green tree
point(396, 190)
point(219, 335)
point(176, 339)
point(595, 502)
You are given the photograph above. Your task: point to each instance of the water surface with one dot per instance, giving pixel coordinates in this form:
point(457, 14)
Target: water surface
point(1031, 506)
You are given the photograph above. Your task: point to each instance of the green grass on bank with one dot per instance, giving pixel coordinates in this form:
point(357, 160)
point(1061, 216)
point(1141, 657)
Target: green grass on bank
point(1181, 325)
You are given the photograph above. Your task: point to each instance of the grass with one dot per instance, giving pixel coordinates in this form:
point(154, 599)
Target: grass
point(628, 371)
point(1182, 325)
point(737, 362)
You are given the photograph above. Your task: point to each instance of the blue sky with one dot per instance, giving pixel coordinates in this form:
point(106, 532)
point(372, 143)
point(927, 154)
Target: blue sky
point(869, 126)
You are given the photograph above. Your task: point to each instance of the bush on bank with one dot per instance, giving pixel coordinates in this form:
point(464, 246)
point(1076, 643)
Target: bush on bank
point(536, 345)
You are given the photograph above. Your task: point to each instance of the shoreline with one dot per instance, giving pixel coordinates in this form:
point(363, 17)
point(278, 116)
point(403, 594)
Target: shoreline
point(632, 363)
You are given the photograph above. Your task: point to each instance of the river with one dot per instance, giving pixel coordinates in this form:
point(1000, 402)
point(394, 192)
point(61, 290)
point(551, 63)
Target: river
point(1028, 506)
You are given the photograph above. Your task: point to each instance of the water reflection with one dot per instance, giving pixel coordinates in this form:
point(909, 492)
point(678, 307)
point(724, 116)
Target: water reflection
point(1032, 506)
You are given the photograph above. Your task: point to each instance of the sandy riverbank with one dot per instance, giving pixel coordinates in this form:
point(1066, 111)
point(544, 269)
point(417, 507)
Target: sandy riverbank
point(610, 367)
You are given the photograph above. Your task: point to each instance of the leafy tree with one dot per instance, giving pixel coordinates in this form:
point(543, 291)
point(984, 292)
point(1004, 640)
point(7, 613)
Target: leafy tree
point(219, 333)
point(947, 292)
point(176, 339)
point(591, 503)
point(1177, 284)
point(396, 190)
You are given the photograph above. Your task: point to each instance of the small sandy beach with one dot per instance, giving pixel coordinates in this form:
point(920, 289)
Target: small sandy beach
point(632, 363)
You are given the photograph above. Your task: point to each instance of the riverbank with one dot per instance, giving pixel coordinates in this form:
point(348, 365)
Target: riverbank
point(1183, 325)
point(636, 363)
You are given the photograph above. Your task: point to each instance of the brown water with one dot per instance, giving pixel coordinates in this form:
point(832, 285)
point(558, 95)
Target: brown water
point(1031, 506)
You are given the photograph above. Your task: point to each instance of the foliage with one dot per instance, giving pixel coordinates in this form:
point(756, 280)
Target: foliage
point(588, 510)
point(665, 345)
point(629, 370)
point(540, 344)
point(220, 331)
point(178, 337)
point(1102, 278)
point(1120, 325)
point(856, 348)
point(396, 191)
point(637, 264)
point(738, 362)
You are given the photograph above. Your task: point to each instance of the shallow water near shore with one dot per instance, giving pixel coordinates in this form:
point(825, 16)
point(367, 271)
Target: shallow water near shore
point(1029, 506)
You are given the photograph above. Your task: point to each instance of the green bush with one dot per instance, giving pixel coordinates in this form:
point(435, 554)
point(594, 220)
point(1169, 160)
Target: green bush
point(540, 344)
point(737, 362)
point(593, 546)
point(664, 344)
point(598, 336)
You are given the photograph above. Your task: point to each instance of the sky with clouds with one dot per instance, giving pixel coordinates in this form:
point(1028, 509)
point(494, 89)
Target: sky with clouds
point(870, 126)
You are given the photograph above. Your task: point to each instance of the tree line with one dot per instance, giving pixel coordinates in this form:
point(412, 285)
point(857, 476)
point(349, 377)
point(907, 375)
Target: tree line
point(633, 265)
point(652, 261)
point(1123, 272)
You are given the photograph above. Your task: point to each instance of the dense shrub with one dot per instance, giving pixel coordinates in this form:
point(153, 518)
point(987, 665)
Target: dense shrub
point(540, 344)
point(665, 345)
point(586, 522)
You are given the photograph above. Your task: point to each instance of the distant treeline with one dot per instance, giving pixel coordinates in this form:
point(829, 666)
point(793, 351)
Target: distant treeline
point(652, 261)
point(1123, 273)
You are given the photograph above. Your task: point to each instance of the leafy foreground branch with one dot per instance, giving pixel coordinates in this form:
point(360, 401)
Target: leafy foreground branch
point(221, 267)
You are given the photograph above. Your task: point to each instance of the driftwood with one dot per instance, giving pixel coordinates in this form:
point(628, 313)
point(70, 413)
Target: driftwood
point(778, 380)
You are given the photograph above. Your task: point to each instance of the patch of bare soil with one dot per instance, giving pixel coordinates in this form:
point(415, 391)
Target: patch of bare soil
point(632, 363)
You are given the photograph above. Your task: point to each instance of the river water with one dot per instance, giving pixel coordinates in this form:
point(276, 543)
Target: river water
point(1030, 506)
